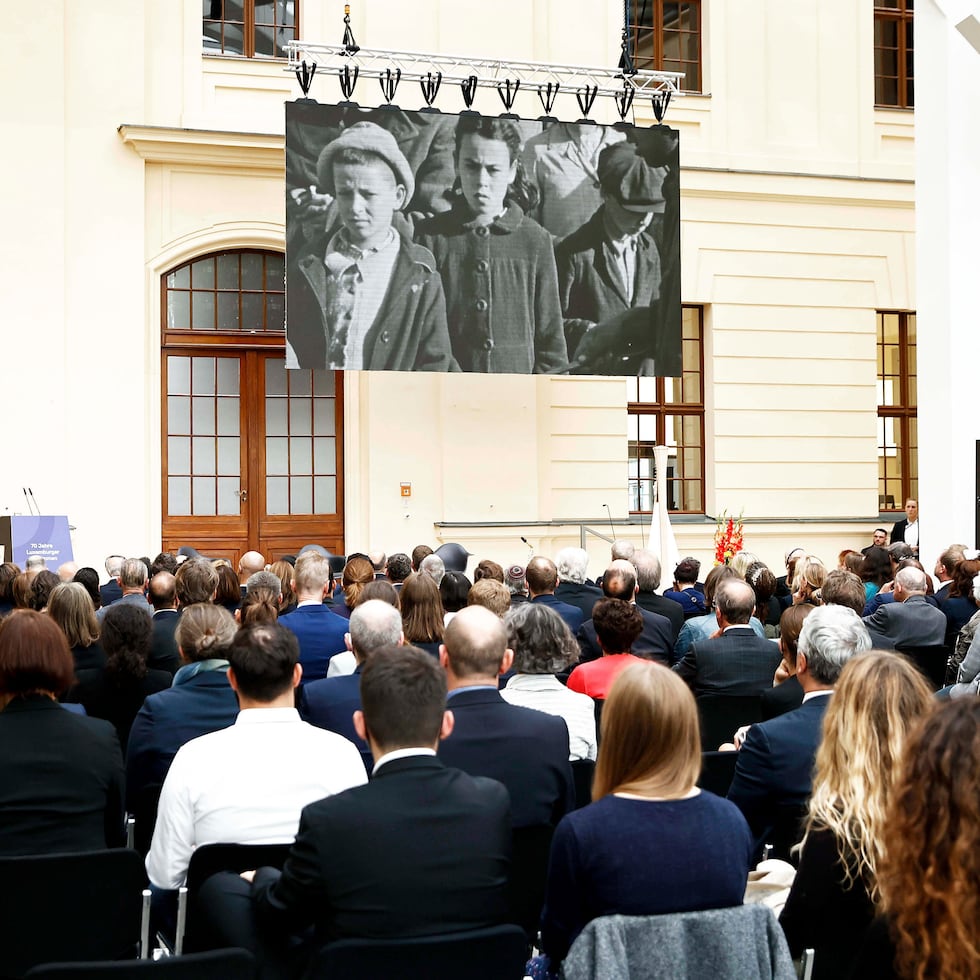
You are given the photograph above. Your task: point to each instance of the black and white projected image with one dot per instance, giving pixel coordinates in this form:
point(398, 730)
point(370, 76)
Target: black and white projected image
point(423, 241)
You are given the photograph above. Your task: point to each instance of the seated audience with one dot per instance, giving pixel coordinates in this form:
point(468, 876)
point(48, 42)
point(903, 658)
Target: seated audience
point(767, 607)
point(685, 590)
point(541, 576)
point(260, 607)
point(488, 569)
point(964, 639)
point(162, 593)
point(89, 577)
point(358, 572)
point(433, 566)
point(843, 588)
point(959, 605)
point(422, 613)
point(652, 843)
point(195, 581)
point(200, 699)
point(420, 850)
point(133, 579)
point(70, 606)
point(453, 590)
point(774, 768)
point(249, 782)
point(61, 774)
point(283, 570)
point(786, 693)
point(910, 620)
point(543, 646)
point(617, 625)
point(398, 569)
point(116, 690)
point(878, 700)
point(516, 581)
point(419, 553)
point(229, 592)
point(8, 572)
point(525, 750)
point(41, 588)
point(20, 591)
point(930, 864)
point(648, 573)
point(492, 594)
point(876, 570)
point(809, 574)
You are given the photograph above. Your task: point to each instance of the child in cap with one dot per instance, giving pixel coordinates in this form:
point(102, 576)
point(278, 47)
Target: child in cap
point(363, 296)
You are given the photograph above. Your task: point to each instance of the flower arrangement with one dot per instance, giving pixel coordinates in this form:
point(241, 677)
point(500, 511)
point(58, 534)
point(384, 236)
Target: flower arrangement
point(728, 538)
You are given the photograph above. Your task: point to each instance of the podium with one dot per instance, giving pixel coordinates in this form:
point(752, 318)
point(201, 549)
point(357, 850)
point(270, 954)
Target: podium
point(26, 536)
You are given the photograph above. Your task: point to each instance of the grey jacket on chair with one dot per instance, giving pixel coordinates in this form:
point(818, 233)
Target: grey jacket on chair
point(741, 943)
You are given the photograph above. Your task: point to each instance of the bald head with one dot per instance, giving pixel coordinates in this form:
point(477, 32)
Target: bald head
point(909, 582)
point(619, 581)
point(162, 592)
point(251, 562)
point(475, 647)
point(66, 572)
point(374, 624)
point(735, 602)
point(541, 576)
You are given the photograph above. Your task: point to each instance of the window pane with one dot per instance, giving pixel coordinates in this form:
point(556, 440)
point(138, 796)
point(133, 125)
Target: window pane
point(202, 274)
point(228, 311)
point(277, 456)
point(227, 376)
point(324, 383)
point(324, 416)
point(277, 495)
point(228, 271)
point(301, 456)
point(300, 383)
point(300, 420)
point(179, 278)
point(204, 504)
point(275, 271)
point(301, 495)
point(203, 374)
point(275, 417)
point(178, 375)
point(324, 495)
point(178, 454)
point(229, 502)
point(228, 416)
point(252, 311)
point(252, 271)
point(203, 416)
point(275, 376)
point(229, 456)
point(178, 416)
point(179, 495)
point(275, 304)
point(203, 456)
point(324, 456)
point(178, 311)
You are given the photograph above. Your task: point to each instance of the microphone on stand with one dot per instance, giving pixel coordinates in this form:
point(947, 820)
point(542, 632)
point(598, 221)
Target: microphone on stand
point(530, 550)
point(612, 529)
point(37, 509)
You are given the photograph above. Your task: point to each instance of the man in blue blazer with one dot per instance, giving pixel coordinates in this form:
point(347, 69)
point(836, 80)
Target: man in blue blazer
point(541, 576)
point(330, 703)
point(524, 749)
point(320, 632)
point(775, 761)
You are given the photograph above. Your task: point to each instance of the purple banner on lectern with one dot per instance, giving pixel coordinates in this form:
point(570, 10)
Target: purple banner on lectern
point(27, 536)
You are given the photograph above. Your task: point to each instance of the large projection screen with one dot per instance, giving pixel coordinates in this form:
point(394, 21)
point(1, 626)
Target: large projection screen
point(423, 241)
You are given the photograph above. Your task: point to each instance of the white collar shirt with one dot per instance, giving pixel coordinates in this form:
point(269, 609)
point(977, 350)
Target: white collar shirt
point(246, 784)
point(544, 692)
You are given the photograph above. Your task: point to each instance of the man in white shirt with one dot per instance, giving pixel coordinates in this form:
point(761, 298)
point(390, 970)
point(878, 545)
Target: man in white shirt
point(248, 783)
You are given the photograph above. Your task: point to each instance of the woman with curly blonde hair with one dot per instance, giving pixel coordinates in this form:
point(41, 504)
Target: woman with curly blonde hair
point(931, 866)
point(808, 577)
point(878, 700)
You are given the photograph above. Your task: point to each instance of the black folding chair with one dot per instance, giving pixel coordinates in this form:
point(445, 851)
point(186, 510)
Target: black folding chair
point(60, 908)
point(931, 661)
point(498, 953)
point(531, 847)
point(722, 714)
point(786, 833)
point(717, 771)
point(220, 964)
point(583, 771)
point(144, 812)
point(208, 860)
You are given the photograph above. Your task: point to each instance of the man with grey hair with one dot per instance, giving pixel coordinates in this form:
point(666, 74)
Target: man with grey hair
point(320, 632)
point(330, 703)
point(378, 560)
point(910, 620)
point(774, 769)
point(573, 587)
point(133, 576)
point(66, 571)
point(111, 591)
point(263, 580)
point(434, 567)
point(622, 551)
point(735, 661)
point(648, 572)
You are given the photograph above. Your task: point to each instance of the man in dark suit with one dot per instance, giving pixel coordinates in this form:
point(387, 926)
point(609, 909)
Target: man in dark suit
point(112, 590)
point(656, 642)
point(573, 585)
point(330, 703)
point(541, 575)
point(321, 633)
point(524, 749)
point(907, 529)
point(421, 850)
point(735, 661)
point(162, 593)
point(775, 762)
point(909, 620)
point(648, 572)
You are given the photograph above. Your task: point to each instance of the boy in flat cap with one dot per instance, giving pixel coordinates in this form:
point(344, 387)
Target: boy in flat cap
point(364, 296)
point(611, 264)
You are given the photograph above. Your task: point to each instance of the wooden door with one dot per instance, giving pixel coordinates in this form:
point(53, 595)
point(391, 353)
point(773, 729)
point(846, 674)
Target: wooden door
point(252, 453)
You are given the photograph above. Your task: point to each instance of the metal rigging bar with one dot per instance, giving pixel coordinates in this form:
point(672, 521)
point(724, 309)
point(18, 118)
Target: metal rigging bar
point(488, 72)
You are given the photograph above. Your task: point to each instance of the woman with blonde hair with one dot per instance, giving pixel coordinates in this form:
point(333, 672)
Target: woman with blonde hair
point(358, 572)
point(285, 573)
point(422, 612)
point(808, 578)
point(878, 700)
point(651, 843)
point(70, 606)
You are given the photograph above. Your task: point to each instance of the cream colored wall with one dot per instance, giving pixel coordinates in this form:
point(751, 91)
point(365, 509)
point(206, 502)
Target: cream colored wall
point(798, 224)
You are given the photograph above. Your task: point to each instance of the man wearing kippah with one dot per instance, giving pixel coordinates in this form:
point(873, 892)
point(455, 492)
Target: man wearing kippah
point(363, 296)
point(611, 263)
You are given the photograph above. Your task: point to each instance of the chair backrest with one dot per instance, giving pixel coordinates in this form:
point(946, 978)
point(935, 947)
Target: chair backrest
point(722, 714)
point(221, 964)
point(787, 832)
point(931, 661)
point(717, 771)
point(144, 812)
point(498, 953)
point(740, 943)
point(209, 859)
point(528, 874)
point(67, 907)
point(583, 771)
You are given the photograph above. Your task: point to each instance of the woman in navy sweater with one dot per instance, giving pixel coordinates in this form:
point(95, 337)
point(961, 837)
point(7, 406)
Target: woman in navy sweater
point(652, 843)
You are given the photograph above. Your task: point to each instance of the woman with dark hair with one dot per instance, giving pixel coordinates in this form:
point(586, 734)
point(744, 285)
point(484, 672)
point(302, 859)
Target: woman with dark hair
point(229, 592)
point(652, 843)
point(931, 856)
point(41, 588)
point(786, 694)
point(20, 591)
point(767, 607)
point(959, 604)
point(544, 646)
point(877, 701)
point(89, 578)
point(61, 774)
point(116, 691)
point(284, 571)
point(8, 572)
point(497, 264)
point(453, 590)
point(358, 572)
point(380, 589)
point(876, 570)
point(422, 613)
point(488, 569)
point(70, 606)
